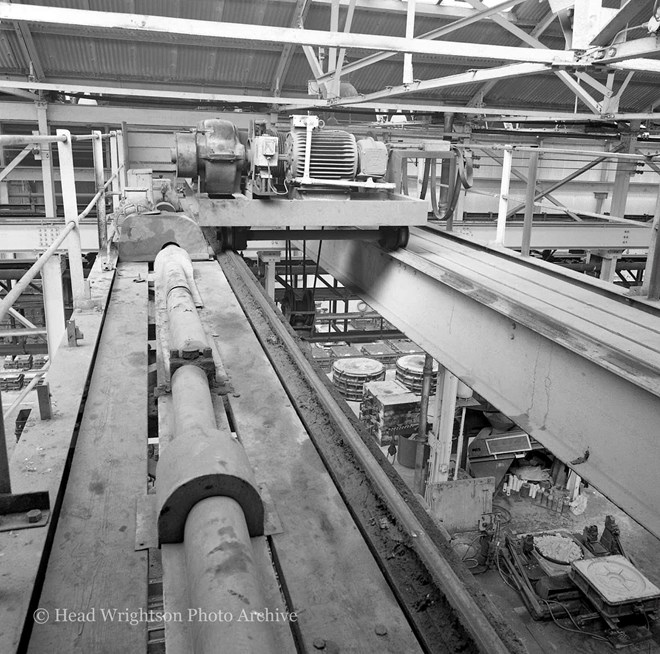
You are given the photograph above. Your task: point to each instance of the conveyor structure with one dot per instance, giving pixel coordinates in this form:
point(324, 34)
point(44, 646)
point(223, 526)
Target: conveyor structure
point(272, 520)
point(259, 550)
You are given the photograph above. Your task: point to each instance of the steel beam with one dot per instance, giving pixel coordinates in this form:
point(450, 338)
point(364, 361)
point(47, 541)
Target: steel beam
point(242, 212)
point(462, 79)
point(299, 15)
point(535, 43)
point(621, 52)
point(563, 235)
point(15, 161)
point(620, 21)
point(26, 237)
point(162, 117)
point(572, 363)
point(144, 24)
point(30, 50)
point(433, 34)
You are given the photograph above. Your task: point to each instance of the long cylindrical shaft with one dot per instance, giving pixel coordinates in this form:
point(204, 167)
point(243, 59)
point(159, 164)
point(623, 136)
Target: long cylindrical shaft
point(192, 405)
point(223, 581)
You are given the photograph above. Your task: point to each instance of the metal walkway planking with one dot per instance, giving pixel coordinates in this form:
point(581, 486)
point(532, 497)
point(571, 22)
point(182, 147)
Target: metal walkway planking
point(578, 367)
point(94, 565)
point(325, 565)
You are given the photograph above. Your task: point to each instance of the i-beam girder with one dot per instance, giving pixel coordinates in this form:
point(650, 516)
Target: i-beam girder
point(547, 357)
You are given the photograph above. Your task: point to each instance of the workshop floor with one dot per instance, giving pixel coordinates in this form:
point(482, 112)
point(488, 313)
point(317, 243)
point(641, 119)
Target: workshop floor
point(527, 516)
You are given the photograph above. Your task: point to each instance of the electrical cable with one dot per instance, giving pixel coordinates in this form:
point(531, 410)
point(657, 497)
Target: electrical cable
point(504, 511)
point(469, 547)
point(578, 630)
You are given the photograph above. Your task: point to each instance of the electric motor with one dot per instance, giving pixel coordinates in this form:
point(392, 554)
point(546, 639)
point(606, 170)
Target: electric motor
point(333, 154)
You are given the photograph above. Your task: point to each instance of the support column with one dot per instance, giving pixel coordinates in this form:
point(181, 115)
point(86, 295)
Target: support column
point(46, 163)
point(608, 260)
point(51, 279)
point(504, 195)
point(441, 438)
point(99, 179)
point(651, 283)
point(270, 258)
point(122, 156)
point(114, 166)
point(445, 166)
point(70, 201)
point(624, 170)
point(532, 175)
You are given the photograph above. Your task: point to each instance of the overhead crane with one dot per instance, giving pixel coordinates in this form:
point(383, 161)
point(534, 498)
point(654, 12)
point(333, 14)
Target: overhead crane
point(262, 513)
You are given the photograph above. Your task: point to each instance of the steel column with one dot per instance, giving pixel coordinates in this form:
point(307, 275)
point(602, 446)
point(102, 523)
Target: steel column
point(651, 284)
point(46, 163)
point(504, 196)
point(99, 179)
point(122, 157)
point(541, 365)
point(53, 294)
point(529, 203)
point(624, 169)
point(70, 201)
point(443, 428)
point(114, 168)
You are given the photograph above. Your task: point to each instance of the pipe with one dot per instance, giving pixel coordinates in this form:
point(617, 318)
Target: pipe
point(9, 140)
point(223, 580)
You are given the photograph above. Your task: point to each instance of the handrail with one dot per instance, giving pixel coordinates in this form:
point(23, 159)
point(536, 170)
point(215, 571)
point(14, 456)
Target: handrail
point(71, 224)
point(8, 301)
point(19, 139)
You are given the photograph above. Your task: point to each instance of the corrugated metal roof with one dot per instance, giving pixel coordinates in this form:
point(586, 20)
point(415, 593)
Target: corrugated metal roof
point(171, 61)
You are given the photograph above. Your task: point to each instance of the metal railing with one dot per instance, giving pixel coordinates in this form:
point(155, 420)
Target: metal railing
point(69, 234)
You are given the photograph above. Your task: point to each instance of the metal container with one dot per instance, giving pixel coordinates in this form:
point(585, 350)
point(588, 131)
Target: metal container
point(410, 372)
point(350, 375)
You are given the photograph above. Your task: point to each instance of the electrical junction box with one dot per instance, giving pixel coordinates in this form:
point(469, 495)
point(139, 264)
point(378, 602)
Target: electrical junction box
point(372, 158)
point(264, 151)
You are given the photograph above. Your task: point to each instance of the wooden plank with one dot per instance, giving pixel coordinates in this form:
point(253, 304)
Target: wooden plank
point(328, 570)
point(39, 462)
point(93, 566)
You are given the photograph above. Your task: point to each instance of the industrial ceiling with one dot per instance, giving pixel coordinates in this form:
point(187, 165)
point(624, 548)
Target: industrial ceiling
point(554, 60)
